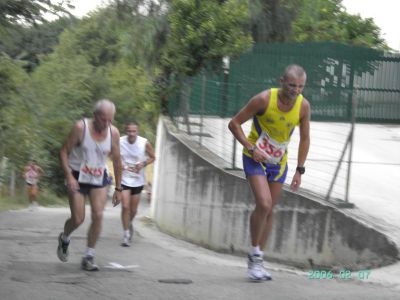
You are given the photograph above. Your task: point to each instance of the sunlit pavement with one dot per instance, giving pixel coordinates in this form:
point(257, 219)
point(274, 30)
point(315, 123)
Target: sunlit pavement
point(156, 266)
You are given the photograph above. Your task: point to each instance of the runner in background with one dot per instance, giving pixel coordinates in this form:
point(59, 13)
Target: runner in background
point(32, 174)
point(136, 154)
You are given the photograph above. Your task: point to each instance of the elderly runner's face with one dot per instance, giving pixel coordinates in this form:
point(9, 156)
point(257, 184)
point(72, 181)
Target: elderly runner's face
point(103, 119)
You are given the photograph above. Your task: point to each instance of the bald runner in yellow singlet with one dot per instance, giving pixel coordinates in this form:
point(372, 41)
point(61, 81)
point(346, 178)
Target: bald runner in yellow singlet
point(275, 113)
point(272, 130)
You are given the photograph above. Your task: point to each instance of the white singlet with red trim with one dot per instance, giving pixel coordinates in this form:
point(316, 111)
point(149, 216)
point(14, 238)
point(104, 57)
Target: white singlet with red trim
point(89, 158)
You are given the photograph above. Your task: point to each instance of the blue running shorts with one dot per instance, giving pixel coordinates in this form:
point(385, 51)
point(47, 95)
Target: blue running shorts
point(274, 172)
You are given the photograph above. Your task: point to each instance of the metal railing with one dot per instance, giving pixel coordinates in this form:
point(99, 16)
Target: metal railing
point(344, 84)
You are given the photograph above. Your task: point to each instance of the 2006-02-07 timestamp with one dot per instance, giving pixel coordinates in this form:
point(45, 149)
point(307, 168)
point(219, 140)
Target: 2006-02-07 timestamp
point(341, 275)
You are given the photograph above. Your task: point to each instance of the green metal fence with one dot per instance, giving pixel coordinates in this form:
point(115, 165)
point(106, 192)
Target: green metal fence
point(335, 74)
point(344, 84)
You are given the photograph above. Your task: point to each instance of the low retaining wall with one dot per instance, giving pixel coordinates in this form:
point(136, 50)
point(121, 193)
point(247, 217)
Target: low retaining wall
point(196, 200)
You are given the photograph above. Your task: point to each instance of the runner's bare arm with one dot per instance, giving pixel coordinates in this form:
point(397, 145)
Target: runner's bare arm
point(151, 158)
point(150, 153)
point(304, 143)
point(116, 156)
point(117, 164)
point(73, 139)
point(256, 105)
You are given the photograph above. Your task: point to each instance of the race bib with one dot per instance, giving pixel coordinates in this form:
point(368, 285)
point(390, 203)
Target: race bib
point(91, 174)
point(131, 174)
point(271, 148)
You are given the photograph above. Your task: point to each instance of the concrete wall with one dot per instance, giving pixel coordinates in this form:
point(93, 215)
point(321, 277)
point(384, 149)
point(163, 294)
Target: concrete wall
point(194, 199)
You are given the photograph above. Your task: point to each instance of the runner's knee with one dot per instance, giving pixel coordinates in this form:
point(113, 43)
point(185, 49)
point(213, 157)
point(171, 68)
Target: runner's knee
point(97, 215)
point(125, 205)
point(78, 219)
point(264, 207)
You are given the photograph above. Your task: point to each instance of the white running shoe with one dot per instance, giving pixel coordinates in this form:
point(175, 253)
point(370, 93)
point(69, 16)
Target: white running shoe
point(125, 242)
point(256, 270)
point(267, 275)
point(33, 206)
point(88, 264)
point(62, 249)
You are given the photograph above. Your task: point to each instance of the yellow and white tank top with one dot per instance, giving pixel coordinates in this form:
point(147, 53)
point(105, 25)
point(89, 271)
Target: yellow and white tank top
point(275, 123)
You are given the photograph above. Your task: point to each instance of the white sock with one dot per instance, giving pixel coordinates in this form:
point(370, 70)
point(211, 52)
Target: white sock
point(89, 252)
point(126, 233)
point(65, 238)
point(256, 251)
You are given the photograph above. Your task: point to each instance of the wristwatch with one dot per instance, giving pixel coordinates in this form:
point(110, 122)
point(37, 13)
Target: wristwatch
point(251, 151)
point(301, 170)
point(118, 189)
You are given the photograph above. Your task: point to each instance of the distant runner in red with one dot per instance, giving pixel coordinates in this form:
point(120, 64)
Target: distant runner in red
point(32, 174)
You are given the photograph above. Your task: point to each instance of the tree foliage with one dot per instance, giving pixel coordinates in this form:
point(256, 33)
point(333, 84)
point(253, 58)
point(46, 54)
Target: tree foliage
point(51, 73)
point(326, 20)
point(271, 20)
point(202, 32)
point(16, 121)
point(29, 43)
point(132, 91)
point(311, 21)
point(30, 11)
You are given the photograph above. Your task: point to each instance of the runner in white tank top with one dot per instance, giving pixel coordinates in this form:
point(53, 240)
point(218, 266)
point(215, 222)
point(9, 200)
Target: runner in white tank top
point(89, 158)
point(83, 159)
point(136, 154)
point(131, 155)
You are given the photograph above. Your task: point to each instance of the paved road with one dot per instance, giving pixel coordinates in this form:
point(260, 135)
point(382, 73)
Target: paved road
point(30, 269)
